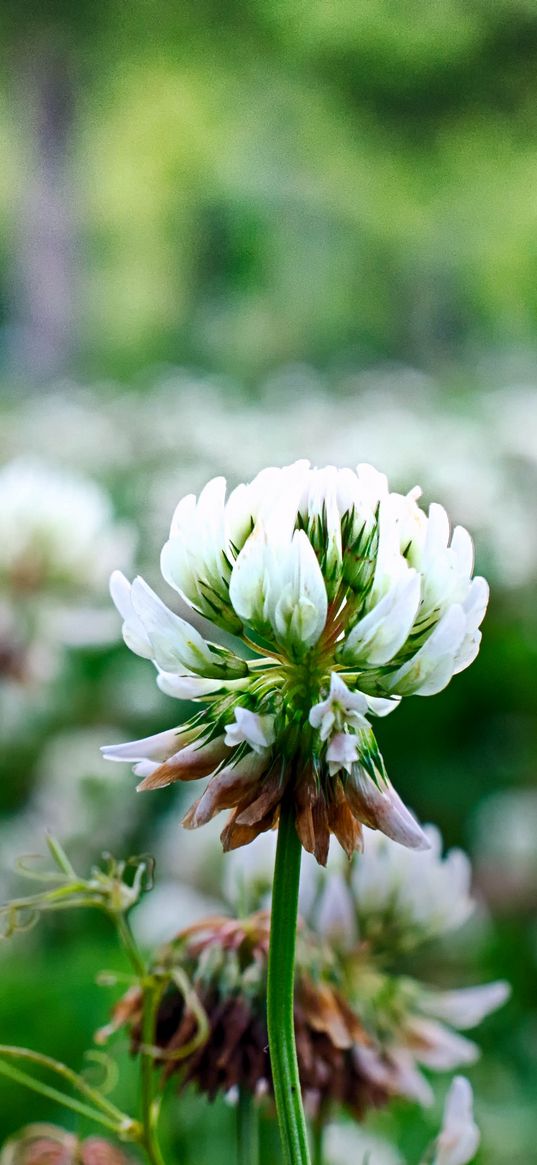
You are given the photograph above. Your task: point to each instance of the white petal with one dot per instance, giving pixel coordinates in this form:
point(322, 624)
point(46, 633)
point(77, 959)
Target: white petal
point(176, 644)
point(475, 603)
point(188, 687)
point(300, 612)
point(342, 752)
point(134, 632)
point(382, 707)
point(248, 582)
point(249, 727)
point(432, 667)
point(437, 1047)
point(463, 549)
point(342, 705)
point(376, 638)
point(466, 1007)
point(158, 747)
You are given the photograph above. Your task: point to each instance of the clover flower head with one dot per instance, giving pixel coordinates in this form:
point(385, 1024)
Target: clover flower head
point(342, 597)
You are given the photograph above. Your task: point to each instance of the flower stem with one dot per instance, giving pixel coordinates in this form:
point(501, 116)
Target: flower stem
point(247, 1130)
point(318, 1130)
point(150, 1103)
point(280, 991)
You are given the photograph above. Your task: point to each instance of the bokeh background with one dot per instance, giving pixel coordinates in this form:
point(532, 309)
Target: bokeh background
point(231, 236)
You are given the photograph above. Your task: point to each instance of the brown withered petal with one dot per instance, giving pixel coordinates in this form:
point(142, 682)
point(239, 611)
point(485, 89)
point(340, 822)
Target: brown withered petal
point(271, 795)
point(234, 834)
point(342, 822)
point(189, 764)
point(382, 808)
point(324, 1012)
point(321, 829)
point(305, 794)
point(225, 791)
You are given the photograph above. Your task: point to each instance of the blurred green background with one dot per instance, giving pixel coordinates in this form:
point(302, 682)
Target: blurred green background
point(230, 236)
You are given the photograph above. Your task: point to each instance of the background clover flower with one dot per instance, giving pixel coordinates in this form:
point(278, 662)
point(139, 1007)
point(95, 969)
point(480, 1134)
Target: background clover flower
point(341, 597)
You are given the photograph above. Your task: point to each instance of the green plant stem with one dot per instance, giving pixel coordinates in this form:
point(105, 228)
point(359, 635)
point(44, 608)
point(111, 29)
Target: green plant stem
point(100, 1102)
point(280, 991)
point(317, 1142)
point(58, 1097)
point(247, 1130)
point(151, 994)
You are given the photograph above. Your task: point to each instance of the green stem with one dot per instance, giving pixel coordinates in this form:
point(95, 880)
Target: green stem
point(54, 1094)
point(280, 991)
point(317, 1142)
point(100, 1102)
point(151, 994)
point(247, 1130)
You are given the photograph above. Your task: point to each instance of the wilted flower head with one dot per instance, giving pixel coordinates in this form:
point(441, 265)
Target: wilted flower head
point(346, 597)
point(226, 961)
point(363, 1035)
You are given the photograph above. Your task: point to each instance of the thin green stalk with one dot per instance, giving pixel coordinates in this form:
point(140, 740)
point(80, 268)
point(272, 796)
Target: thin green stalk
point(92, 1094)
point(247, 1129)
point(59, 1097)
point(280, 991)
point(151, 994)
point(317, 1142)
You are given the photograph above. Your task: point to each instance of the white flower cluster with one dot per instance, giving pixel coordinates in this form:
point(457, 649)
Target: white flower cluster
point(350, 597)
point(185, 429)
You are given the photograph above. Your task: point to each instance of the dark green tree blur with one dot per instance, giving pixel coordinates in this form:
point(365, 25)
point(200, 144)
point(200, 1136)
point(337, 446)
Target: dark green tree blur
point(254, 183)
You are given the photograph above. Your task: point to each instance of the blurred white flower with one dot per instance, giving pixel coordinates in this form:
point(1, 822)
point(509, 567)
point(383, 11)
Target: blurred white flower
point(348, 1144)
point(394, 416)
point(421, 895)
point(58, 538)
point(57, 531)
point(397, 897)
point(411, 1033)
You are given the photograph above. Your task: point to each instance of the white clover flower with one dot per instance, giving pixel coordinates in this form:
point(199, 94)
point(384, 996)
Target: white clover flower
point(397, 897)
point(414, 896)
point(459, 1137)
point(347, 597)
point(57, 530)
point(411, 1034)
